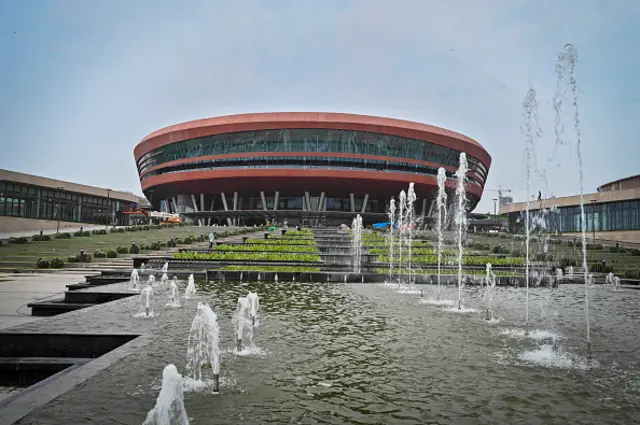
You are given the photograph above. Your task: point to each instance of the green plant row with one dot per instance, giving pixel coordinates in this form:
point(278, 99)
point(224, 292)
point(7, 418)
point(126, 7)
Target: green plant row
point(279, 241)
point(295, 269)
point(414, 251)
point(268, 247)
point(453, 272)
point(247, 256)
point(382, 244)
point(466, 260)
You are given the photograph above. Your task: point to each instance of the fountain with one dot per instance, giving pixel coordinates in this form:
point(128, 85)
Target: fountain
point(531, 130)
point(190, 292)
point(461, 217)
point(570, 272)
point(275, 278)
point(609, 279)
point(241, 322)
point(203, 346)
point(401, 207)
point(441, 203)
point(164, 279)
point(490, 282)
point(146, 301)
point(174, 295)
point(151, 280)
point(356, 243)
point(254, 306)
point(165, 267)
point(135, 280)
point(616, 283)
point(169, 408)
point(392, 218)
point(411, 199)
point(565, 70)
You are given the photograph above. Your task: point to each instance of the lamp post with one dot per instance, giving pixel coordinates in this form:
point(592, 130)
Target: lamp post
point(495, 211)
point(59, 188)
point(593, 219)
point(109, 209)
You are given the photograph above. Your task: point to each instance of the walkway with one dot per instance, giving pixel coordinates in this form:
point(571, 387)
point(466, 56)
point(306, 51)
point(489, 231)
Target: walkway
point(17, 290)
point(29, 233)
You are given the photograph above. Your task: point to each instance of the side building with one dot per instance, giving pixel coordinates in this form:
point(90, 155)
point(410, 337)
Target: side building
point(308, 167)
point(29, 202)
point(611, 214)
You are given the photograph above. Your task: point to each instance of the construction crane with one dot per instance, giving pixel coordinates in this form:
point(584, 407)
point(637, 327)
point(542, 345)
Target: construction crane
point(500, 191)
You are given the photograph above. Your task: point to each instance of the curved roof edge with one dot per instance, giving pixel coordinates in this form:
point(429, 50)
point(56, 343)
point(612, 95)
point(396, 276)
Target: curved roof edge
point(622, 180)
point(168, 135)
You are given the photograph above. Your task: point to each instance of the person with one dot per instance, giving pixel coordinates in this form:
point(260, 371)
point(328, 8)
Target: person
point(539, 195)
point(212, 240)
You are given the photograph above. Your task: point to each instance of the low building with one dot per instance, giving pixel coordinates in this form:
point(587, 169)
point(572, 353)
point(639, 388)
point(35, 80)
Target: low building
point(611, 214)
point(33, 202)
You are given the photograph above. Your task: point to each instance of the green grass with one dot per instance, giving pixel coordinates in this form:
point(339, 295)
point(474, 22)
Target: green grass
point(294, 269)
point(26, 255)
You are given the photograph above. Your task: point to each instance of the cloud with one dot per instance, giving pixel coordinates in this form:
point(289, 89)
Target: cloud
point(103, 75)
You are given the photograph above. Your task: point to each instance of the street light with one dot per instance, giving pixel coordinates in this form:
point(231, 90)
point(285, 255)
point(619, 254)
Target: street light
point(593, 219)
point(495, 211)
point(110, 210)
point(59, 188)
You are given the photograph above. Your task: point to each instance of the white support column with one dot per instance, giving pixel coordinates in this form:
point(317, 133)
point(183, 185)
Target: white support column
point(235, 208)
point(226, 207)
point(175, 205)
point(210, 209)
point(195, 207)
point(276, 200)
point(352, 202)
point(364, 203)
point(308, 199)
point(202, 208)
point(264, 200)
point(424, 206)
point(321, 201)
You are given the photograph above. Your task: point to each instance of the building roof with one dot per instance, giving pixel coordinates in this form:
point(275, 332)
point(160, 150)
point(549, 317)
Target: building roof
point(277, 120)
point(619, 181)
point(33, 180)
point(568, 201)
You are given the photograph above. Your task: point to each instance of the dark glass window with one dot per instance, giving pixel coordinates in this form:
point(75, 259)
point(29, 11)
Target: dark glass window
point(309, 140)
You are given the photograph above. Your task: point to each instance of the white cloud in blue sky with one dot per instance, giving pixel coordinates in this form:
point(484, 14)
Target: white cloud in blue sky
point(82, 82)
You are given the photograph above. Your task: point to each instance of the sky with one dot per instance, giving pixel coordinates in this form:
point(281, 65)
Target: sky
point(82, 82)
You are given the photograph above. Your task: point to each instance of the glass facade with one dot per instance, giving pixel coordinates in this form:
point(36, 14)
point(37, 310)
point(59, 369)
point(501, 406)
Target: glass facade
point(305, 162)
point(309, 140)
point(601, 217)
point(20, 200)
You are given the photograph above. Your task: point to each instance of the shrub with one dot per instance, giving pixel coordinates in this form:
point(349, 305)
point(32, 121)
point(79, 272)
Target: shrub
point(178, 241)
point(99, 232)
point(146, 227)
point(63, 235)
point(594, 246)
point(144, 246)
point(42, 263)
point(82, 234)
point(596, 267)
point(99, 254)
point(635, 252)
point(36, 238)
point(18, 241)
point(73, 259)
point(155, 246)
point(499, 249)
point(567, 262)
point(112, 254)
point(122, 249)
point(56, 263)
point(632, 274)
point(516, 253)
point(189, 239)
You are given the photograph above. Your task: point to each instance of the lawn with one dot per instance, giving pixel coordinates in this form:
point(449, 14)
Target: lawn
point(24, 256)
